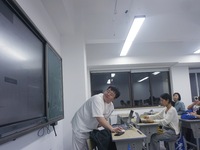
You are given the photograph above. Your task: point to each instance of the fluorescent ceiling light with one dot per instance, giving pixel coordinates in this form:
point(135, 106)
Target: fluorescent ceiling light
point(137, 23)
point(197, 51)
point(155, 73)
point(112, 75)
point(143, 79)
point(108, 82)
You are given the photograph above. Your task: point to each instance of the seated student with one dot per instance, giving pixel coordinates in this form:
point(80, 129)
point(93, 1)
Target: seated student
point(179, 106)
point(193, 111)
point(168, 119)
point(195, 105)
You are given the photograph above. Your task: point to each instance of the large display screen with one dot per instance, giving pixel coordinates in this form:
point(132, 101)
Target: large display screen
point(31, 85)
point(22, 96)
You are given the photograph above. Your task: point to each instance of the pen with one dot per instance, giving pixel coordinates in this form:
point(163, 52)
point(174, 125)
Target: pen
point(139, 132)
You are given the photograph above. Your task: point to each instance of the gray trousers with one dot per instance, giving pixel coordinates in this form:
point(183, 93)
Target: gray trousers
point(79, 141)
point(166, 136)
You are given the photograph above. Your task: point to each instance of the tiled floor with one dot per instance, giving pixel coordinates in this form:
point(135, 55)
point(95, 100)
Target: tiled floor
point(162, 147)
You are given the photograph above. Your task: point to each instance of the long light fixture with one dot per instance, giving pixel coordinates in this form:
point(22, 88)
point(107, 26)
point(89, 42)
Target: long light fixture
point(109, 81)
point(155, 73)
point(137, 23)
point(112, 75)
point(143, 79)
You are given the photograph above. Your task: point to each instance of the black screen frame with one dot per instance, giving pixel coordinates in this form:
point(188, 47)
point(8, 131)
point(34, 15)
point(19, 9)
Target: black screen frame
point(15, 130)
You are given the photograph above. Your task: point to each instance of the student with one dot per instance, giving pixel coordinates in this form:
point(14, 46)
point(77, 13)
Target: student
point(168, 119)
point(193, 112)
point(195, 105)
point(179, 106)
point(91, 114)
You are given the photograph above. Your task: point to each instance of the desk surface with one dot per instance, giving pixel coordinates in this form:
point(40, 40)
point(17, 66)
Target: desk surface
point(147, 124)
point(129, 134)
point(193, 120)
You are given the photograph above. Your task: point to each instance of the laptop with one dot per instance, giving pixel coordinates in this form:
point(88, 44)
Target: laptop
point(138, 119)
point(130, 116)
point(125, 124)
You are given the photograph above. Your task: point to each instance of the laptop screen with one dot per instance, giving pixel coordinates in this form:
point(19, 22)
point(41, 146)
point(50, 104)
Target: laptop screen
point(138, 119)
point(130, 116)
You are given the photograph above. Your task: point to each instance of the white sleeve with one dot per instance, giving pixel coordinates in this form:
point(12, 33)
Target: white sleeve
point(97, 107)
point(158, 115)
point(167, 119)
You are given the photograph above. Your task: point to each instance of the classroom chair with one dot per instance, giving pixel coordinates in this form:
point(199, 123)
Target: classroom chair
point(172, 145)
point(91, 145)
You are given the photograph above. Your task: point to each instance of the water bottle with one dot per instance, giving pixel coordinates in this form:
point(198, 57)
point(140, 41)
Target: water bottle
point(129, 147)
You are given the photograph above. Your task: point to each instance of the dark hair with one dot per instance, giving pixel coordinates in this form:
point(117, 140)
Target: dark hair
point(166, 96)
point(179, 96)
point(115, 90)
point(197, 98)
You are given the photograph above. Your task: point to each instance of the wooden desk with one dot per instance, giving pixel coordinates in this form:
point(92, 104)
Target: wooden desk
point(132, 137)
point(195, 126)
point(148, 129)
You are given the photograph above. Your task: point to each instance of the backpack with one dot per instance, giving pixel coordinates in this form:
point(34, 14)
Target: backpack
point(103, 139)
point(180, 143)
point(188, 116)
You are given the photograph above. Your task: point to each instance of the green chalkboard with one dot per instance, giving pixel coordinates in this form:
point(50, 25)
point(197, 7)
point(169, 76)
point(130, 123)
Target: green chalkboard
point(54, 82)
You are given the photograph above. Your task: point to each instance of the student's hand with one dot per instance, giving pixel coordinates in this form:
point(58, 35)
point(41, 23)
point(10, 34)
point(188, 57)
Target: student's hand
point(196, 102)
point(147, 121)
point(146, 117)
point(116, 129)
point(193, 113)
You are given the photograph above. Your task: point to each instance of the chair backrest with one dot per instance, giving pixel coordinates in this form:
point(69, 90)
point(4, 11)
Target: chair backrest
point(91, 145)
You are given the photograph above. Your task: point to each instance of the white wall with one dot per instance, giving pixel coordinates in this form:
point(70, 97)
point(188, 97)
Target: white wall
point(74, 62)
point(180, 83)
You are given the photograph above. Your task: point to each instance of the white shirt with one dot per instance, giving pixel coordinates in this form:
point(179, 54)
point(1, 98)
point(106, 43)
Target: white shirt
point(84, 119)
point(169, 119)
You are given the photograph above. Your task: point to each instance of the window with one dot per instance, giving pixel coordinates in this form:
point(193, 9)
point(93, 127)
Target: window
point(101, 81)
point(141, 89)
point(195, 84)
point(138, 89)
point(148, 86)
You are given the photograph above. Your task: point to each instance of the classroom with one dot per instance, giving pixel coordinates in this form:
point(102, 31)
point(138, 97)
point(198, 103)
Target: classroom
point(89, 35)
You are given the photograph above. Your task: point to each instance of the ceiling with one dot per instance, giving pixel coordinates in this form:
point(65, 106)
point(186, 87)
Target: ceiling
point(171, 28)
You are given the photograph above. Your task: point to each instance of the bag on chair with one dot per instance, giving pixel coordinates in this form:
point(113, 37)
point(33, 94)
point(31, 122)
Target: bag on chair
point(180, 143)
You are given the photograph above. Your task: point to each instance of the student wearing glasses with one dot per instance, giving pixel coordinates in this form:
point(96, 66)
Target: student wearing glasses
point(195, 106)
point(94, 112)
